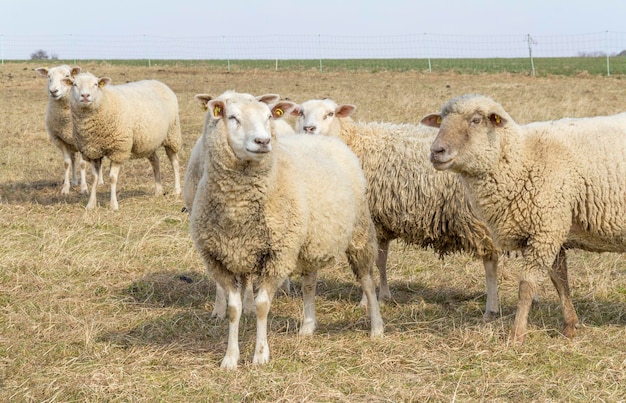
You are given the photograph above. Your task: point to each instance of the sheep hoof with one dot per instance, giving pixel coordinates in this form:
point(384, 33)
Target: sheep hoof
point(489, 316)
point(229, 363)
point(569, 331)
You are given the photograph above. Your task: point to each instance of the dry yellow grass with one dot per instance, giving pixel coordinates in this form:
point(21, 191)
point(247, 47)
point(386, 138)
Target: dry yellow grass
point(115, 306)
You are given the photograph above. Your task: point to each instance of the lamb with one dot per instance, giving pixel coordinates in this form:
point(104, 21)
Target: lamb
point(193, 174)
point(122, 122)
point(268, 206)
point(408, 199)
point(542, 187)
point(59, 124)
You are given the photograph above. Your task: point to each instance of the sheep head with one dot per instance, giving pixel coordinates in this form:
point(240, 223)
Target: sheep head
point(319, 116)
point(247, 122)
point(86, 89)
point(56, 88)
point(470, 131)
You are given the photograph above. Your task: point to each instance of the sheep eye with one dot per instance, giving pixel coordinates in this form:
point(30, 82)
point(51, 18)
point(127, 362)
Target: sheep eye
point(300, 113)
point(330, 115)
point(476, 121)
point(234, 119)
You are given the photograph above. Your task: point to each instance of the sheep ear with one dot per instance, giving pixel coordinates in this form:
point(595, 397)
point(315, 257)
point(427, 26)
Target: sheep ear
point(268, 98)
point(67, 81)
point(343, 111)
point(432, 120)
point(103, 81)
point(75, 71)
point(497, 120)
point(216, 108)
point(280, 109)
point(42, 71)
point(296, 110)
point(203, 100)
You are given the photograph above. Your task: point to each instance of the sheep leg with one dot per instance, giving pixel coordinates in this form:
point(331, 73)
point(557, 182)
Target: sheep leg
point(96, 166)
point(491, 278)
point(154, 161)
point(234, 314)
point(68, 163)
point(248, 295)
point(82, 166)
point(377, 326)
point(113, 175)
point(558, 275)
point(263, 302)
point(527, 289)
point(219, 308)
point(381, 263)
point(309, 283)
point(173, 157)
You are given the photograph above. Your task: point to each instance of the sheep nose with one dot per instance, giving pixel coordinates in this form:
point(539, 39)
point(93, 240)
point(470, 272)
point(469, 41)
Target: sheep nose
point(262, 141)
point(437, 149)
point(309, 129)
point(54, 92)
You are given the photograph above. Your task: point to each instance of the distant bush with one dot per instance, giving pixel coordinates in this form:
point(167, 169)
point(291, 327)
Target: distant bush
point(42, 55)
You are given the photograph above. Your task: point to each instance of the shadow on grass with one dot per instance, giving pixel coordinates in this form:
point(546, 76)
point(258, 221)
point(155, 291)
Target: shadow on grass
point(47, 192)
point(416, 307)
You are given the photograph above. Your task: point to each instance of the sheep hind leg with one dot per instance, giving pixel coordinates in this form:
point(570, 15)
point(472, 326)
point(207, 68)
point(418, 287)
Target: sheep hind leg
point(558, 275)
point(361, 265)
point(490, 264)
point(154, 161)
point(173, 157)
point(381, 263)
point(309, 285)
point(96, 166)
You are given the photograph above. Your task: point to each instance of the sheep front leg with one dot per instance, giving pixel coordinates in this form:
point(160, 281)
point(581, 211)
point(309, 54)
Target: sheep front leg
point(377, 326)
point(490, 264)
point(527, 289)
point(68, 168)
point(262, 302)
point(82, 166)
point(558, 275)
point(309, 283)
point(113, 175)
point(234, 314)
point(96, 166)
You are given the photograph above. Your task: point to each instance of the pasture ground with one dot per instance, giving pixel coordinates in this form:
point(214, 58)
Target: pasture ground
point(115, 306)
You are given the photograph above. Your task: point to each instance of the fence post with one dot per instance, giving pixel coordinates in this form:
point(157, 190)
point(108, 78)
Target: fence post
point(2, 48)
point(319, 48)
point(608, 64)
point(530, 53)
point(227, 54)
point(430, 66)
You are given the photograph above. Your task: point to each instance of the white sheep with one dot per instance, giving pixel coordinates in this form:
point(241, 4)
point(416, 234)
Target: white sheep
point(541, 187)
point(408, 199)
point(122, 122)
point(59, 124)
point(193, 174)
point(268, 206)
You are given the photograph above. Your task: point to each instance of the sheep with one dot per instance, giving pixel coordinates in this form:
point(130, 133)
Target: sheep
point(542, 187)
point(193, 174)
point(408, 199)
point(59, 124)
point(122, 122)
point(268, 206)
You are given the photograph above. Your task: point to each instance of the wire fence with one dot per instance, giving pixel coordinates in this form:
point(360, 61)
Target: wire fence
point(596, 53)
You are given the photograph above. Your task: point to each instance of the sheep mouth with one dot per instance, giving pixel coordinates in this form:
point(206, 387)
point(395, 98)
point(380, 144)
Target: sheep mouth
point(263, 150)
point(441, 163)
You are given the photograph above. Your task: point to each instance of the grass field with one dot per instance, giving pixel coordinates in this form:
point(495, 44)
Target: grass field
point(115, 306)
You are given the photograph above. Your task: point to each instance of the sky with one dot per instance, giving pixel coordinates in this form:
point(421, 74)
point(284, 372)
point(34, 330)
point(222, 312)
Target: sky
point(201, 18)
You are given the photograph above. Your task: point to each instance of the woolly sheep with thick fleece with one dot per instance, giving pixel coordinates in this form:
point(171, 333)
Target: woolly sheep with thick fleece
point(268, 206)
point(408, 199)
point(195, 170)
point(59, 124)
point(541, 187)
point(122, 122)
